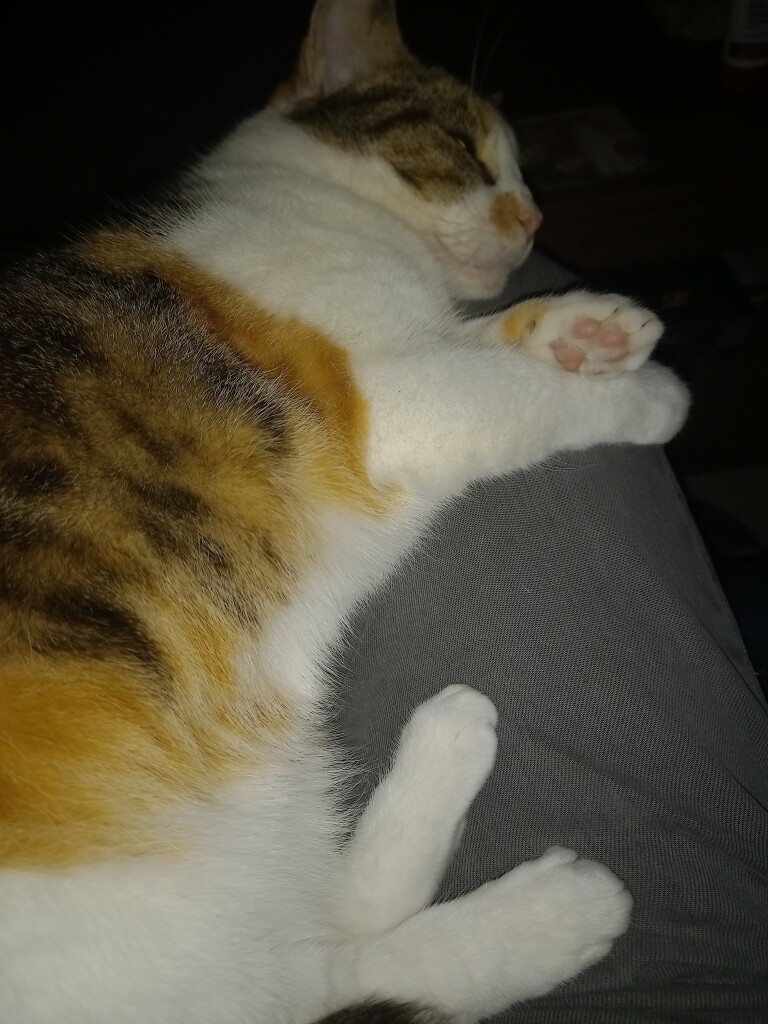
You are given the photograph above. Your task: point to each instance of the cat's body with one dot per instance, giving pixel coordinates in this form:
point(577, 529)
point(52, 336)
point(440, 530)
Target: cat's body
point(220, 434)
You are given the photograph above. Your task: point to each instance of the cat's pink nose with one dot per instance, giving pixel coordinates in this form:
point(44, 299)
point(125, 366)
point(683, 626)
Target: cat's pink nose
point(530, 217)
point(510, 212)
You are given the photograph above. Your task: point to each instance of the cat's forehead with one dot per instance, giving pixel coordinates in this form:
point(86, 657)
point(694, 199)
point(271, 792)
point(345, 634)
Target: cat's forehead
point(435, 132)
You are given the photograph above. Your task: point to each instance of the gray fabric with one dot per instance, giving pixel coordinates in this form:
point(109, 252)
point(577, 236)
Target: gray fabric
point(578, 597)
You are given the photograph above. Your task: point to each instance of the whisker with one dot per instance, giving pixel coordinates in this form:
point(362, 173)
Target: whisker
point(478, 40)
point(502, 32)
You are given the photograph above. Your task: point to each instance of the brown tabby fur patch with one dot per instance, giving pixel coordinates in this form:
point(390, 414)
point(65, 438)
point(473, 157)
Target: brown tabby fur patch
point(386, 1012)
point(164, 443)
point(425, 123)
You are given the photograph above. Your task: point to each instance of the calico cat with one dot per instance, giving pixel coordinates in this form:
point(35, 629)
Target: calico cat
point(222, 426)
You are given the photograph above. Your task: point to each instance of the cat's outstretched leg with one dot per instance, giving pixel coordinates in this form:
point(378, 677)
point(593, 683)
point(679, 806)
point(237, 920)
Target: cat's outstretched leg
point(443, 415)
point(514, 938)
point(402, 844)
point(580, 332)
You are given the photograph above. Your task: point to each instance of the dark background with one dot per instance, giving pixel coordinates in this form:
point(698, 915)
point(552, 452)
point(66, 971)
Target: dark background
point(103, 102)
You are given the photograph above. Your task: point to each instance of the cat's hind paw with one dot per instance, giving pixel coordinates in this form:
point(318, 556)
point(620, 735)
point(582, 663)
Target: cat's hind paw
point(590, 904)
point(456, 732)
point(557, 916)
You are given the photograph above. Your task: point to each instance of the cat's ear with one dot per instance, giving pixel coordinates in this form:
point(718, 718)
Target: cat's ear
point(347, 39)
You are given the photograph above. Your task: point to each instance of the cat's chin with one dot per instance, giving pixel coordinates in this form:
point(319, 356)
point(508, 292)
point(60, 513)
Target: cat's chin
point(470, 286)
point(478, 280)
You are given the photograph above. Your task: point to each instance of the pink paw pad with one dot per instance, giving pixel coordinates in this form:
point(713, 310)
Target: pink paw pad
point(569, 357)
point(594, 342)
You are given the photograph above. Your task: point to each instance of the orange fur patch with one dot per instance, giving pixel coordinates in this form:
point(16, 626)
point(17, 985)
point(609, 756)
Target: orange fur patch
point(521, 320)
point(93, 762)
point(85, 757)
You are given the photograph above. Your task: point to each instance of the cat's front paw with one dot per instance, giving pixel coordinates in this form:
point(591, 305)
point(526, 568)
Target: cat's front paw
point(657, 406)
point(594, 335)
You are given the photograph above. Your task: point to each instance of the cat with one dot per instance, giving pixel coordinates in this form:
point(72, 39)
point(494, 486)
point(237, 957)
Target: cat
point(223, 423)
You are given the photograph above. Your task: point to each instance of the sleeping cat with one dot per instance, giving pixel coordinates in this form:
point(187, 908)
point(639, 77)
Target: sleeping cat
point(222, 425)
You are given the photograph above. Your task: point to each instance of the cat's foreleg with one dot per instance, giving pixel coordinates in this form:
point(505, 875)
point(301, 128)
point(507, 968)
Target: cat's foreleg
point(441, 418)
point(411, 826)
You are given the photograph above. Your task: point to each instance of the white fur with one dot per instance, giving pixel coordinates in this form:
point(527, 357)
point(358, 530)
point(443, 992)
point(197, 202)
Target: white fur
point(264, 915)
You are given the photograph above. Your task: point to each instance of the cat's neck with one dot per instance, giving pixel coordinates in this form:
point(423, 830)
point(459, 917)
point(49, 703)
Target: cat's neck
point(291, 222)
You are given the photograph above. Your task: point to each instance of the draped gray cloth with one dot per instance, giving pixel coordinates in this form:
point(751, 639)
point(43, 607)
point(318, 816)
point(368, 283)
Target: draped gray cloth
point(579, 597)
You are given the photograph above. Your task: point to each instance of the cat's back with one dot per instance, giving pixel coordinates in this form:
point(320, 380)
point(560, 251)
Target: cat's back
point(165, 448)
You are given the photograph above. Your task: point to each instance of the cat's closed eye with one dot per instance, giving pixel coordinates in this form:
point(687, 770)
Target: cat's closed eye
point(467, 143)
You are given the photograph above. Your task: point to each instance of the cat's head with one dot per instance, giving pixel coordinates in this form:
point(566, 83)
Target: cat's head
point(444, 159)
